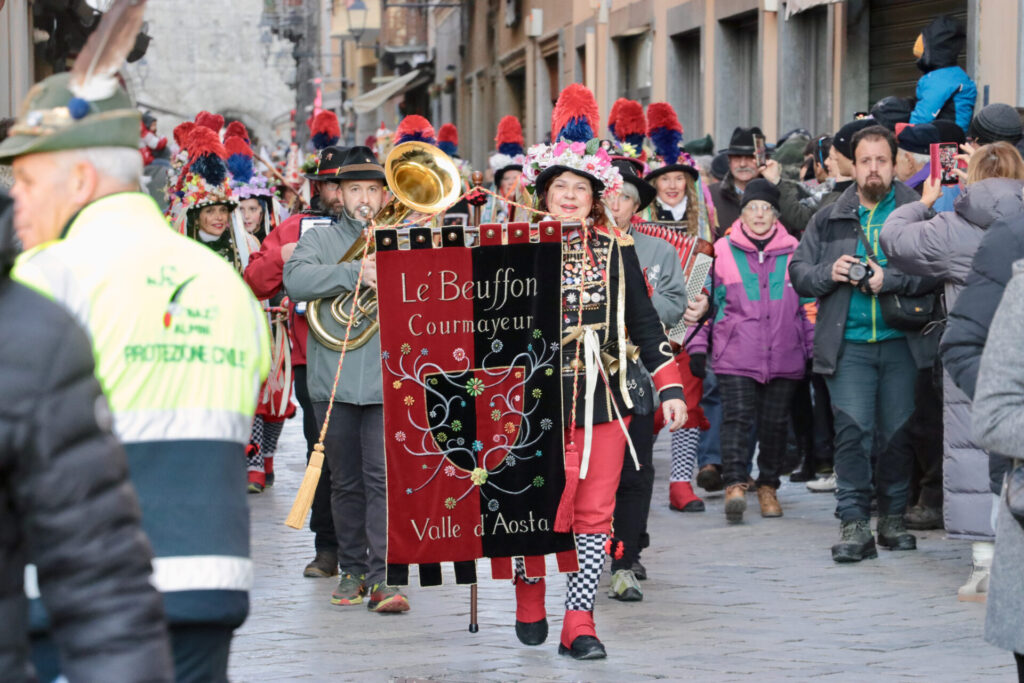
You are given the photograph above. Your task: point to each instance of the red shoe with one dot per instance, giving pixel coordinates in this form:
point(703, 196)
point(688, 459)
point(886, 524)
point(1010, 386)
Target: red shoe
point(579, 637)
point(257, 481)
point(682, 498)
point(531, 617)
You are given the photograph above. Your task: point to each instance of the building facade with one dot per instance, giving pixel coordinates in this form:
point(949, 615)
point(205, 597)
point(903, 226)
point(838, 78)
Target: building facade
point(777, 64)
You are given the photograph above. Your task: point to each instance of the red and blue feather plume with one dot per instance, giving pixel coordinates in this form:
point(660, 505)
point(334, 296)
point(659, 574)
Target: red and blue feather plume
point(415, 128)
point(182, 132)
point(632, 124)
point(212, 121)
point(575, 117)
point(206, 156)
point(509, 139)
point(325, 129)
point(448, 139)
point(239, 160)
point(613, 117)
point(237, 129)
point(665, 131)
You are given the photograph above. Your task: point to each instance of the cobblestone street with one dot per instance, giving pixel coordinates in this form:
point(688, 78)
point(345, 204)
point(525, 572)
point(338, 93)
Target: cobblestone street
point(723, 603)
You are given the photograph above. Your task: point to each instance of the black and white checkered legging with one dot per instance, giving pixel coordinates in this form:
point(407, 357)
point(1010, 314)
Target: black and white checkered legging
point(265, 435)
point(684, 454)
point(581, 586)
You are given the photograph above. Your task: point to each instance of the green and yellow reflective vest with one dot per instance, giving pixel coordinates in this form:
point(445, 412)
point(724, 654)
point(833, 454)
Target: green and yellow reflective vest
point(181, 348)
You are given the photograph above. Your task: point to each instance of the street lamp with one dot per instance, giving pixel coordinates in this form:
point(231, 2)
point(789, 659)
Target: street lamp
point(357, 12)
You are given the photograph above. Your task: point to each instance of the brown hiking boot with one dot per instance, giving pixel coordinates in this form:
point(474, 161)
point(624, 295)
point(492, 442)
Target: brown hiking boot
point(769, 502)
point(735, 502)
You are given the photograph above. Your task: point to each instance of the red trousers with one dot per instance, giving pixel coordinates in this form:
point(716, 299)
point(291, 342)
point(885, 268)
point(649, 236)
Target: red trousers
point(595, 497)
point(693, 391)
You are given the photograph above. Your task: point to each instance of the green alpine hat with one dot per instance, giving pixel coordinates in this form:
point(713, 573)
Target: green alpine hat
point(52, 119)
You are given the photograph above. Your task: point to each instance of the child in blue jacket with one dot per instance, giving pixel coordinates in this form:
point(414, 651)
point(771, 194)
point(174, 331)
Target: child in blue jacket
point(945, 91)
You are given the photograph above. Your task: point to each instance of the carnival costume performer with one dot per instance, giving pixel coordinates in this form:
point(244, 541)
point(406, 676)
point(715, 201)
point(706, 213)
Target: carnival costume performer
point(603, 294)
point(181, 395)
point(666, 283)
point(448, 142)
point(680, 201)
point(354, 446)
point(255, 198)
point(265, 275)
point(507, 165)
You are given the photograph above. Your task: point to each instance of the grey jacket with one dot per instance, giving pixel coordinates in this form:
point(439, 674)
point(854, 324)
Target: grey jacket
point(832, 233)
point(665, 278)
point(942, 245)
point(999, 426)
point(313, 272)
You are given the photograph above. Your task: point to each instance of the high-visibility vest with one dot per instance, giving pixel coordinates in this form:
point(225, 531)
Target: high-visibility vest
point(181, 348)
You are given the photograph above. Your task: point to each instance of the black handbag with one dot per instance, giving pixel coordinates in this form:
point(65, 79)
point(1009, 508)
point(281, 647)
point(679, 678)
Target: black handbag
point(900, 311)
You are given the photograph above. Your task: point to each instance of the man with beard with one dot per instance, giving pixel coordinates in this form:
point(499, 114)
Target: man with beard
point(870, 367)
point(355, 438)
point(265, 274)
point(727, 194)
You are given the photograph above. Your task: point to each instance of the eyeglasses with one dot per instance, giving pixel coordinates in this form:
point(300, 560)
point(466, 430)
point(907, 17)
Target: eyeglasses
point(757, 206)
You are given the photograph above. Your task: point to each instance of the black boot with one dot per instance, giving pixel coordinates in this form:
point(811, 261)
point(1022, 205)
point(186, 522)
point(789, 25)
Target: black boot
point(893, 534)
point(856, 542)
point(533, 633)
point(584, 647)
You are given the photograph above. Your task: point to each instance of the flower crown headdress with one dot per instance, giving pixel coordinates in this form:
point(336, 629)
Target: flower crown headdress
point(587, 158)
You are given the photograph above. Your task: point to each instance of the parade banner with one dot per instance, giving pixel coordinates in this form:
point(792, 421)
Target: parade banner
point(471, 356)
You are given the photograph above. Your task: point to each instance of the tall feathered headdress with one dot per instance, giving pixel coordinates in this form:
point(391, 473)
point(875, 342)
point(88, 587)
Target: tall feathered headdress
point(631, 125)
point(94, 74)
point(239, 161)
point(182, 132)
point(509, 140)
point(414, 127)
point(204, 180)
point(212, 121)
point(448, 139)
point(509, 145)
point(575, 117)
point(325, 129)
point(665, 131)
point(237, 129)
point(613, 115)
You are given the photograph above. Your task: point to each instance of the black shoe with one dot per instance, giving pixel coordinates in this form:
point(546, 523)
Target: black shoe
point(922, 518)
point(533, 632)
point(324, 565)
point(270, 478)
point(856, 543)
point(805, 474)
point(893, 534)
point(639, 571)
point(584, 647)
point(709, 478)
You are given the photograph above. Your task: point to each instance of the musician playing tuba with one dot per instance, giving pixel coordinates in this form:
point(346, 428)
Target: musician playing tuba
point(354, 448)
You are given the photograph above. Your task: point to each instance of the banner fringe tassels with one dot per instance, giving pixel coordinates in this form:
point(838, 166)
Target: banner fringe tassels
point(304, 498)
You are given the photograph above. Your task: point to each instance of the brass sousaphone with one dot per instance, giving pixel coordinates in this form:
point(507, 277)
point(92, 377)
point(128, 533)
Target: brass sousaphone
point(422, 179)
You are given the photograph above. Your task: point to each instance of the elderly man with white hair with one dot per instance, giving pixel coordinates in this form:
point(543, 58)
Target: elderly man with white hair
point(181, 348)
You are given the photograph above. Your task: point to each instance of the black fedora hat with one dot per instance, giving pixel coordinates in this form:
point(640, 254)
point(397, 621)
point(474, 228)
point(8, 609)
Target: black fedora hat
point(360, 163)
point(328, 161)
point(742, 141)
point(628, 168)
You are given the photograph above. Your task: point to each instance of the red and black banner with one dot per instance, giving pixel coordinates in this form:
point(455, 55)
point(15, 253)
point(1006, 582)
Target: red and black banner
point(470, 345)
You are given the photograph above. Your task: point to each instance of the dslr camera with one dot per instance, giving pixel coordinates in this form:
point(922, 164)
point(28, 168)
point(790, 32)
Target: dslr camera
point(860, 273)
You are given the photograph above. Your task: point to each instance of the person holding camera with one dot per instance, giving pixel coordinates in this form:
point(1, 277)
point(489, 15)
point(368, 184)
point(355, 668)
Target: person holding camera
point(866, 344)
point(762, 340)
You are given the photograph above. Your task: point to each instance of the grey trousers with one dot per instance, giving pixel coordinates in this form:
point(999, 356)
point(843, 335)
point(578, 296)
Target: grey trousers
point(354, 449)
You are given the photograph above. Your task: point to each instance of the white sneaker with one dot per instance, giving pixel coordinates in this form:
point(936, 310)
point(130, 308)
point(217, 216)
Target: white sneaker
point(824, 485)
point(976, 588)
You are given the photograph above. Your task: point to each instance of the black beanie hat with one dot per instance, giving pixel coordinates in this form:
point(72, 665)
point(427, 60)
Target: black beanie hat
point(761, 189)
point(996, 122)
point(844, 137)
point(891, 110)
point(949, 131)
point(918, 139)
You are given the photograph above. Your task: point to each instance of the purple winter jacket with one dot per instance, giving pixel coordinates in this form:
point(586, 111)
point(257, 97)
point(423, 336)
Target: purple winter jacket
point(760, 327)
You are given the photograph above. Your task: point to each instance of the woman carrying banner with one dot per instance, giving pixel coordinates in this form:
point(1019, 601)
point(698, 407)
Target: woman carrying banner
point(604, 292)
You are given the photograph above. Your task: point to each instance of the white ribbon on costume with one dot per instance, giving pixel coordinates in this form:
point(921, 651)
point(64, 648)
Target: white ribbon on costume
point(592, 361)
